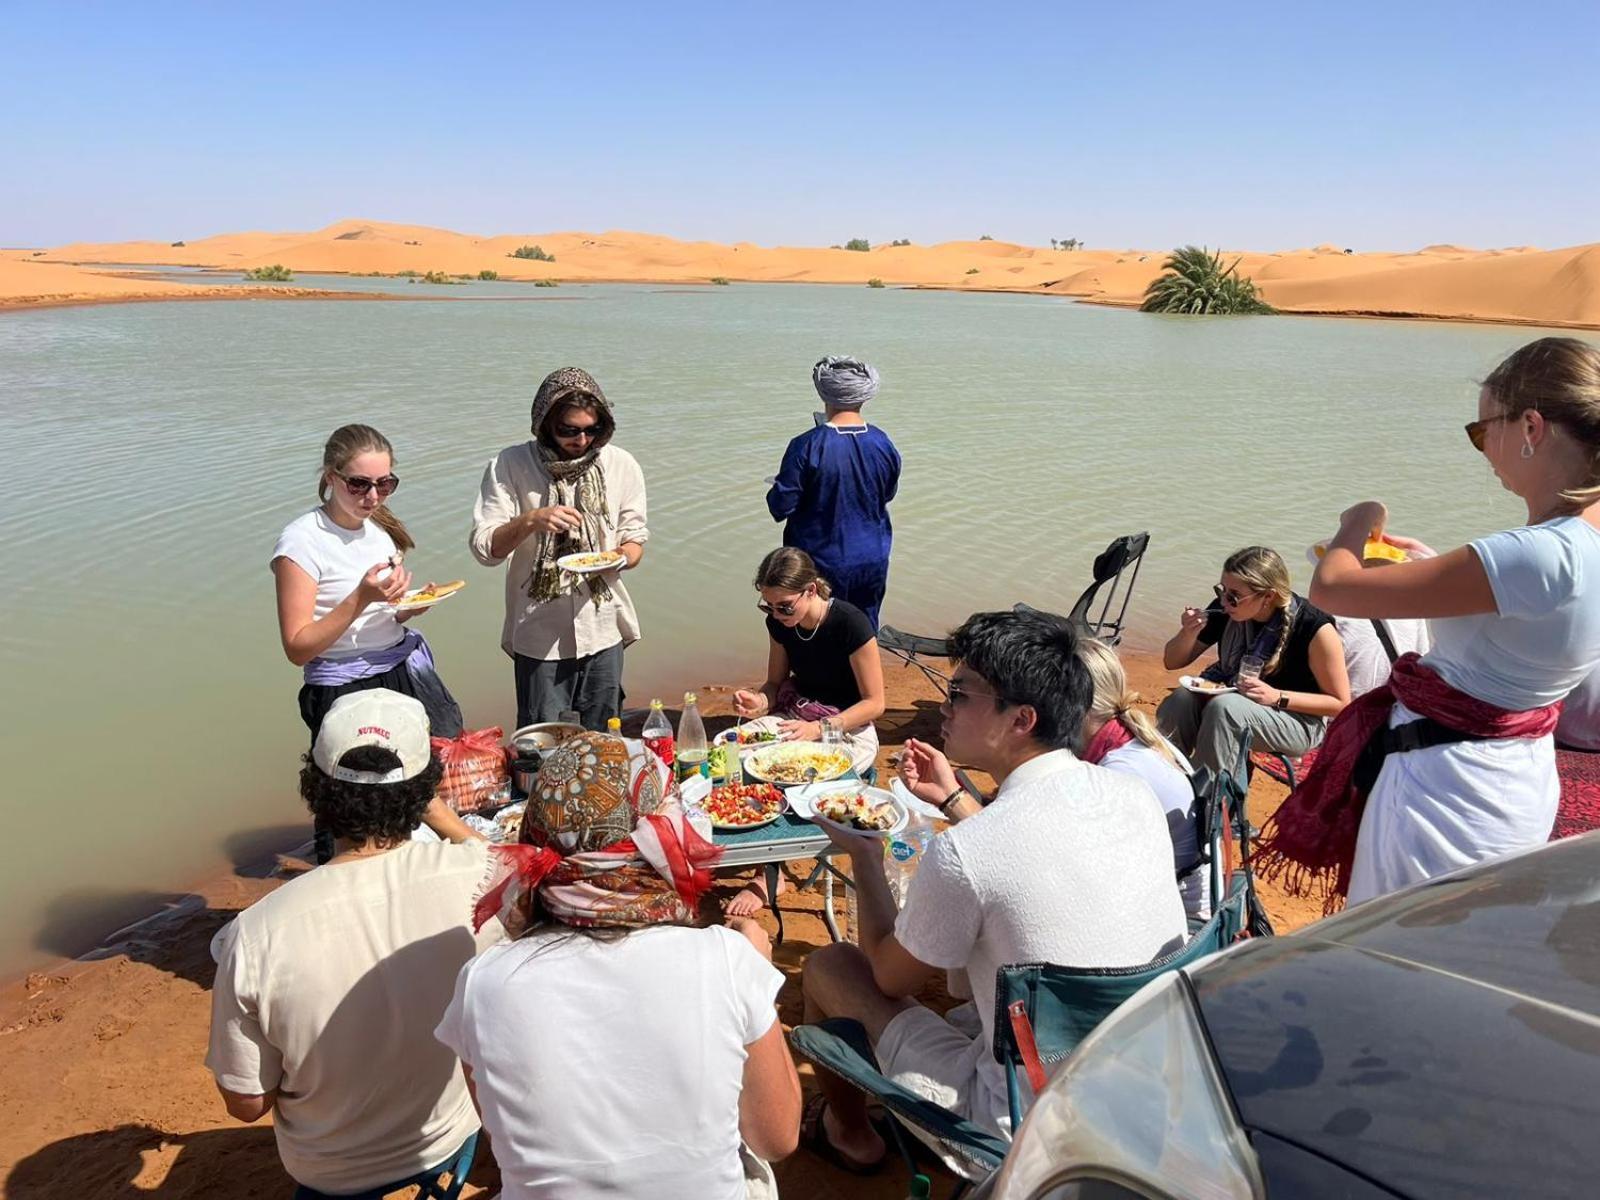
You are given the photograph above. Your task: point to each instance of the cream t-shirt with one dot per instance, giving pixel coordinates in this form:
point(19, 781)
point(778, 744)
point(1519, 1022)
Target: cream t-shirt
point(329, 989)
point(1070, 864)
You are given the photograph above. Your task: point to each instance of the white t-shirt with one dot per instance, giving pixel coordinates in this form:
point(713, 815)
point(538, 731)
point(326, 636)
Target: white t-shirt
point(328, 990)
point(1069, 864)
point(1365, 660)
point(614, 1069)
point(1544, 638)
point(1580, 715)
point(337, 558)
point(1175, 792)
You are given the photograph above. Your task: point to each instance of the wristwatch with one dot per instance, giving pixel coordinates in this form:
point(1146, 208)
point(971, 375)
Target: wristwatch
point(1282, 704)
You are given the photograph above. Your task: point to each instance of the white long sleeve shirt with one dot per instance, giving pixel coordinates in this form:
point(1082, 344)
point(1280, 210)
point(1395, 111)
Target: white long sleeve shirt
point(571, 625)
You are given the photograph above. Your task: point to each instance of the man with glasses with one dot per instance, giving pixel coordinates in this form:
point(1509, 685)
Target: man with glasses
point(1070, 863)
point(568, 491)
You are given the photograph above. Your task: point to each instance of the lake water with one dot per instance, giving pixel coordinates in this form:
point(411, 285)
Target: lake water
point(152, 452)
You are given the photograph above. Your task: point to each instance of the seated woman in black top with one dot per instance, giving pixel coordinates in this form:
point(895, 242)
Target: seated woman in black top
point(822, 664)
point(1302, 681)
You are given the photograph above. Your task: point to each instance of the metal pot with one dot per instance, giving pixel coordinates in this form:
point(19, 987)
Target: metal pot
point(544, 735)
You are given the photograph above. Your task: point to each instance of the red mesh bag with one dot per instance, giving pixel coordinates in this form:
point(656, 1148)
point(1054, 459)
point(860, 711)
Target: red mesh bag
point(477, 773)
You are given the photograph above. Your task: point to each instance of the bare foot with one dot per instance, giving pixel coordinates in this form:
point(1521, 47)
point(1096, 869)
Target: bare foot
point(752, 898)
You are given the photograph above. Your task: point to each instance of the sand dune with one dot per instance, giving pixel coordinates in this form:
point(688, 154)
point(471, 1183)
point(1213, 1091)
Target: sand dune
point(1514, 284)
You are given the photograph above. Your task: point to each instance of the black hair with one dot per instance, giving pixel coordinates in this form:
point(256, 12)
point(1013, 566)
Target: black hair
point(360, 812)
point(1030, 658)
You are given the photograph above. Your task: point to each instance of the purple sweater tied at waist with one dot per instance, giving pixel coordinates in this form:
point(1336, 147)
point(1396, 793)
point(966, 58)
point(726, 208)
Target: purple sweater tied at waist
point(335, 672)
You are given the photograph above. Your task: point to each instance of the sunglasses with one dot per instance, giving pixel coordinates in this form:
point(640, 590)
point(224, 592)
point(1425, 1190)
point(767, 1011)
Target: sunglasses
point(786, 609)
point(360, 485)
point(958, 694)
point(569, 432)
point(1478, 430)
point(1230, 597)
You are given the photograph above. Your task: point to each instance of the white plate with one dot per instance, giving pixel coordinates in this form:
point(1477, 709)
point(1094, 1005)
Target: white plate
point(1189, 682)
point(758, 762)
point(406, 601)
point(566, 562)
point(803, 803)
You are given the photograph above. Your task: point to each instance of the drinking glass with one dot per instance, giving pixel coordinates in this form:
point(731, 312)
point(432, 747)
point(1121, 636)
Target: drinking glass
point(570, 717)
point(832, 731)
point(1249, 668)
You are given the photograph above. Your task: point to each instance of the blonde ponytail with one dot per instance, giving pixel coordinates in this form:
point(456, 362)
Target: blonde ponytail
point(1113, 701)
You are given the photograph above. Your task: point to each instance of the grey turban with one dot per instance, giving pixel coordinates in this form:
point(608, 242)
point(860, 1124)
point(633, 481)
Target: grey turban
point(844, 382)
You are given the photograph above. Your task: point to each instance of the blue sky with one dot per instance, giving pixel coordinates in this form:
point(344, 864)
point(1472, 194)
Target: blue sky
point(1268, 126)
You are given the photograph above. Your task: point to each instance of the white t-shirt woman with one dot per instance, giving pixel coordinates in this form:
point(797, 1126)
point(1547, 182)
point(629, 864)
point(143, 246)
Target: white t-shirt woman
point(614, 1069)
point(1437, 809)
point(336, 558)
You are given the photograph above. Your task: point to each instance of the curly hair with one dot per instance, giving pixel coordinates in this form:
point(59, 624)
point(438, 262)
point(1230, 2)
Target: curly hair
point(361, 812)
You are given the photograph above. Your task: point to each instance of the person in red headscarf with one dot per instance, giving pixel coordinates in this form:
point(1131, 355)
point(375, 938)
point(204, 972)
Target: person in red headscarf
point(614, 1046)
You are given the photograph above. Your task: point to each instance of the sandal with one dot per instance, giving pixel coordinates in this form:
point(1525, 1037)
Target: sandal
point(814, 1137)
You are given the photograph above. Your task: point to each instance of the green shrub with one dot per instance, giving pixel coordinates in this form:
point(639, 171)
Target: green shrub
point(972, 270)
point(874, 283)
point(858, 244)
point(273, 274)
point(441, 277)
point(180, 243)
point(901, 242)
point(720, 280)
point(488, 275)
point(407, 274)
point(534, 252)
point(984, 237)
point(545, 283)
point(1195, 282)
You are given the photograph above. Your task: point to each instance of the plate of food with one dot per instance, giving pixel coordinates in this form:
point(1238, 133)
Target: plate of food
point(747, 736)
point(1379, 551)
point(589, 564)
point(797, 762)
point(1204, 687)
point(854, 808)
point(736, 806)
point(428, 596)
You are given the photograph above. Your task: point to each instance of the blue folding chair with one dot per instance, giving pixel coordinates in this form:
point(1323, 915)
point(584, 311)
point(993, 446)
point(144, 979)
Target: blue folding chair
point(1042, 1012)
point(443, 1182)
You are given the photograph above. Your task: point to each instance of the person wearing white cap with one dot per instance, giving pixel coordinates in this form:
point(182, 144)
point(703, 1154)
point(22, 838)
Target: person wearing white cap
point(328, 989)
point(834, 487)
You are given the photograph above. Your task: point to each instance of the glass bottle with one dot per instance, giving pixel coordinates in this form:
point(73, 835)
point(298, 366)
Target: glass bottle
point(691, 749)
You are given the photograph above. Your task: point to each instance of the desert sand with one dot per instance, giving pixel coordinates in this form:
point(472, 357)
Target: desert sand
point(1519, 284)
point(104, 1095)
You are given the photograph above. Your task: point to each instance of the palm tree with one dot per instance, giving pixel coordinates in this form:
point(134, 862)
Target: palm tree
point(1194, 281)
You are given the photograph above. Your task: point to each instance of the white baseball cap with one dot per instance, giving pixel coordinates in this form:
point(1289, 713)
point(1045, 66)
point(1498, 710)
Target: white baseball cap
point(375, 717)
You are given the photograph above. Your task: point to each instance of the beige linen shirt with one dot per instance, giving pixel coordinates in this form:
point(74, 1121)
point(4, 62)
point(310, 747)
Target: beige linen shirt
point(570, 626)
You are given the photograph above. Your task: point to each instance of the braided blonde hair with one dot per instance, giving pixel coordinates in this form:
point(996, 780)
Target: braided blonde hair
point(1112, 699)
point(1263, 569)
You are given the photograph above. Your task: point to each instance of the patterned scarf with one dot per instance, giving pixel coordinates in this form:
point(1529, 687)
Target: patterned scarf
point(580, 483)
point(1237, 640)
point(604, 843)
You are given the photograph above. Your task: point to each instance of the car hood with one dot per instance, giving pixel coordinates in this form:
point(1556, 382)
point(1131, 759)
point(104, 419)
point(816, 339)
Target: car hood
point(1444, 1041)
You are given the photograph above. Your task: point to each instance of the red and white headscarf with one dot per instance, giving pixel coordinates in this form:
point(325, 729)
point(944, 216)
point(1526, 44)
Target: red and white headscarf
point(604, 843)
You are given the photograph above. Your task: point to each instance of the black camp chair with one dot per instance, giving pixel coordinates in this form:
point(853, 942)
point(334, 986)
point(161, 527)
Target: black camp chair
point(1122, 557)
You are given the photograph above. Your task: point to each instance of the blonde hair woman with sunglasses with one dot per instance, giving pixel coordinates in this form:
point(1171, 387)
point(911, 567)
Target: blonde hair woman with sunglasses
point(1452, 762)
point(1280, 653)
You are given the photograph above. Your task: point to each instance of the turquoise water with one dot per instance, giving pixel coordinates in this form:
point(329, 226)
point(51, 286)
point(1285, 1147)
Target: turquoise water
point(153, 452)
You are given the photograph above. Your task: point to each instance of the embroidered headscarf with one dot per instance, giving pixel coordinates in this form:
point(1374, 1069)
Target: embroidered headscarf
point(844, 382)
point(580, 483)
point(604, 842)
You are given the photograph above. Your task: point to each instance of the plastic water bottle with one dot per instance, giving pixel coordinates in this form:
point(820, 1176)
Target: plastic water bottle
point(692, 749)
point(657, 733)
point(902, 855)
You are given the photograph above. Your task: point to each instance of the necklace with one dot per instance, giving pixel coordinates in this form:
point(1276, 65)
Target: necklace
point(799, 629)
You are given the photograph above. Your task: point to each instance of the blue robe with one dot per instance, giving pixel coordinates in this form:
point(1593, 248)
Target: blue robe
point(833, 490)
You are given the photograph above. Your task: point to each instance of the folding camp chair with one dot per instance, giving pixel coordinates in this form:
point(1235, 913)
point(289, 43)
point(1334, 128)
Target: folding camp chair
point(1042, 1012)
point(1122, 557)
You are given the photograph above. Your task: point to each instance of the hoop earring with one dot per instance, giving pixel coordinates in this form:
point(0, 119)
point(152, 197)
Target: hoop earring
point(1527, 449)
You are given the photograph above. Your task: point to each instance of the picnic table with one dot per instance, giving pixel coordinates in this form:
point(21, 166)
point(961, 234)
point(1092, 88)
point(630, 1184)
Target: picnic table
point(788, 838)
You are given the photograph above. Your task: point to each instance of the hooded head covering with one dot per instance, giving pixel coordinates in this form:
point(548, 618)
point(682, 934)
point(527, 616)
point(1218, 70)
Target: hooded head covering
point(579, 483)
point(604, 842)
point(844, 382)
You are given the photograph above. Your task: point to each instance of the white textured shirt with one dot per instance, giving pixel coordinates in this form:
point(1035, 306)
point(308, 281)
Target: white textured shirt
point(571, 625)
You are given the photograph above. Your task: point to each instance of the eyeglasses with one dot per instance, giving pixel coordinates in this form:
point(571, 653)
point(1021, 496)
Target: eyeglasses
point(360, 485)
point(1478, 430)
point(570, 432)
point(1230, 597)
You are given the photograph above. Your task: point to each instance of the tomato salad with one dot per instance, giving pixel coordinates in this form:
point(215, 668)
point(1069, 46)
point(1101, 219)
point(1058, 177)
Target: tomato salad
point(743, 805)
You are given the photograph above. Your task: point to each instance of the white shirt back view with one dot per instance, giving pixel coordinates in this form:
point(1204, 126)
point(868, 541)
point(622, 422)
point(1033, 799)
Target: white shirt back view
point(1172, 787)
point(1070, 864)
point(614, 1069)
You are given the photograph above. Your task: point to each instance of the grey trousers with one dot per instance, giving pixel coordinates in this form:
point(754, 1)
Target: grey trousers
point(1210, 729)
point(591, 686)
